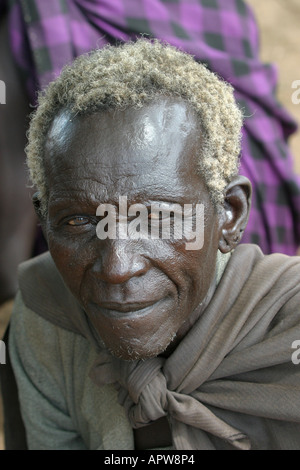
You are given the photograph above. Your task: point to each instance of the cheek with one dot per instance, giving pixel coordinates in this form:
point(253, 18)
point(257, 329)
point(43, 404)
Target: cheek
point(192, 272)
point(70, 260)
point(200, 264)
point(200, 269)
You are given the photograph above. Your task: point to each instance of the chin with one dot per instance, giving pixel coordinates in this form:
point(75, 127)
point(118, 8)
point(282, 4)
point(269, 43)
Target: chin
point(135, 351)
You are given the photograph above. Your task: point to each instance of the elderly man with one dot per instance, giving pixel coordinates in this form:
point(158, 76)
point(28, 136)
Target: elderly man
point(126, 337)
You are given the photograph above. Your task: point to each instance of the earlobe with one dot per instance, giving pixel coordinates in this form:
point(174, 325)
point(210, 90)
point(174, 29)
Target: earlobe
point(235, 213)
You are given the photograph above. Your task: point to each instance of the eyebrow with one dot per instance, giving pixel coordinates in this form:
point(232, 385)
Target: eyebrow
point(62, 204)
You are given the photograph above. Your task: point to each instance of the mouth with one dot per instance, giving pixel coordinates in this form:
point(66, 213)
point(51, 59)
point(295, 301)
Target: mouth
point(123, 310)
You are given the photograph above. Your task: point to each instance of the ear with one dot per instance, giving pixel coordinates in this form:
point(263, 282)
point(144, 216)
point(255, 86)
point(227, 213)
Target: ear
point(235, 213)
point(37, 207)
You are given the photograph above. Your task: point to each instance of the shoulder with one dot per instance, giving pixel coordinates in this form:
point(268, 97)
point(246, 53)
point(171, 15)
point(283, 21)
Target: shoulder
point(61, 406)
point(43, 353)
point(44, 292)
point(271, 268)
point(33, 337)
point(261, 286)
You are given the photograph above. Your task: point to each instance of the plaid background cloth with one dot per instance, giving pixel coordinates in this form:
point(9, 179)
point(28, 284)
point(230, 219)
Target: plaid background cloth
point(223, 34)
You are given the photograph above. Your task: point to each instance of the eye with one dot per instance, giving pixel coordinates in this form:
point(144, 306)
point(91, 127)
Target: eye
point(154, 216)
point(161, 215)
point(77, 221)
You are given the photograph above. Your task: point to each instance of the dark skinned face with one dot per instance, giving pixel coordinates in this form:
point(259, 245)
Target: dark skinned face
point(142, 296)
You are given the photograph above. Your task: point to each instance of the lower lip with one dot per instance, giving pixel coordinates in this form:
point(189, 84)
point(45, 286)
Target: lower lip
point(136, 313)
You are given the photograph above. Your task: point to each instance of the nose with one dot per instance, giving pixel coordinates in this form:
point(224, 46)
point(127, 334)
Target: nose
point(119, 261)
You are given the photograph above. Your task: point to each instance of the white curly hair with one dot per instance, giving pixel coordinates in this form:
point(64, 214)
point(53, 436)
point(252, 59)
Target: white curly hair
point(134, 74)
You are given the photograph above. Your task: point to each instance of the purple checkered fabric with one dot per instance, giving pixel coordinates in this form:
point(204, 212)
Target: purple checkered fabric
point(223, 34)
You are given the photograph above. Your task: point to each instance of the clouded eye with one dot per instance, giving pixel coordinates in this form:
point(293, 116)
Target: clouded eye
point(160, 215)
point(154, 216)
point(77, 221)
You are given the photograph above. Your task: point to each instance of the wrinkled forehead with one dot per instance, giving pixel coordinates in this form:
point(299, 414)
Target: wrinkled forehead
point(123, 140)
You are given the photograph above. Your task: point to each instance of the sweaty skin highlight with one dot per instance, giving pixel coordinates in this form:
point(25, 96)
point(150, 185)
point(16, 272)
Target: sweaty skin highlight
point(162, 220)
